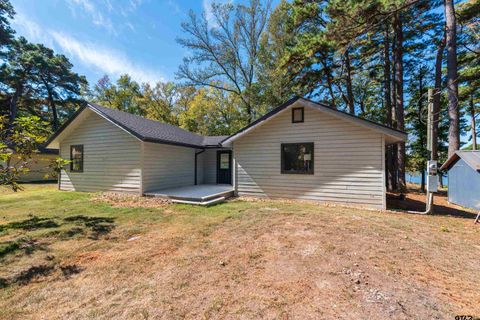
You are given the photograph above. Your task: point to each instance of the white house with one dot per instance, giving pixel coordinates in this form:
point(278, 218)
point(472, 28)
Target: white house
point(301, 149)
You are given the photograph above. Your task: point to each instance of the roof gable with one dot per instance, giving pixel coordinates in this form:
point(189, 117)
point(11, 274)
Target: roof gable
point(471, 158)
point(392, 135)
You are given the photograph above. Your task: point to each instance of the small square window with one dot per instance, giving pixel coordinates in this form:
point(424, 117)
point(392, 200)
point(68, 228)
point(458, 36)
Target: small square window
point(297, 115)
point(76, 158)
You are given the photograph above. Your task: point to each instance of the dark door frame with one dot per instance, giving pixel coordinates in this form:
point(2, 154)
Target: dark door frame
point(219, 152)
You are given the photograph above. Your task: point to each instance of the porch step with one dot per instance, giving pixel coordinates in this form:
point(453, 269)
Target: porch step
point(200, 203)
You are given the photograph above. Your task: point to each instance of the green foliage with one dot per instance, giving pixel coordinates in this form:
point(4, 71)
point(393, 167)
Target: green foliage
point(36, 81)
point(125, 95)
point(160, 101)
point(208, 111)
point(55, 166)
point(57, 84)
point(19, 141)
point(212, 112)
point(274, 80)
point(6, 13)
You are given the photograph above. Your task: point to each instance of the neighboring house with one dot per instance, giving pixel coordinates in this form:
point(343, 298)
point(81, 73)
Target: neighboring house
point(301, 149)
point(38, 166)
point(464, 178)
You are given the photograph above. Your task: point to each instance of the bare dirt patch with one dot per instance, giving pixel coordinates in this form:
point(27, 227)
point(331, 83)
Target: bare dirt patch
point(266, 259)
point(126, 200)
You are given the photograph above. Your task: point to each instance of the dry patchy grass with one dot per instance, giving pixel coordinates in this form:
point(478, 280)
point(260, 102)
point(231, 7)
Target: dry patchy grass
point(240, 259)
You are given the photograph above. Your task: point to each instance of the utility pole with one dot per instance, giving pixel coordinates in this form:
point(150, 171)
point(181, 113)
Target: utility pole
point(432, 178)
point(432, 167)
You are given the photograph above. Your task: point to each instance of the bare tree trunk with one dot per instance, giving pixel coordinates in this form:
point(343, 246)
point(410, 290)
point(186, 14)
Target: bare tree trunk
point(249, 113)
point(54, 116)
point(14, 103)
point(422, 135)
point(436, 97)
point(473, 123)
point(394, 147)
point(452, 77)
point(387, 93)
point(386, 76)
point(53, 109)
point(328, 74)
point(351, 105)
point(422, 185)
point(399, 98)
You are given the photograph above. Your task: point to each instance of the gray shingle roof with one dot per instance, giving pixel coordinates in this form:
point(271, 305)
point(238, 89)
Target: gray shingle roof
point(150, 130)
point(213, 140)
point(147, 130)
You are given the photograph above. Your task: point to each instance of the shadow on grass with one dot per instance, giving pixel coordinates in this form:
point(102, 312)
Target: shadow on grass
point(33, 272)
point(95, 226)
point(30, 224)
point(69, 270)
point(72, 232)
point(27, 245)
point(98, 225)
point(397, 202)
point(37, 272)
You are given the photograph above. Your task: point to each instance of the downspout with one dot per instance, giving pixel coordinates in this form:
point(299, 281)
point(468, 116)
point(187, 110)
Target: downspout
point(196, 156)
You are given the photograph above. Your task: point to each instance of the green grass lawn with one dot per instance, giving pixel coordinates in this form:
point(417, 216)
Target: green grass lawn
point(71, 255)
point(43, 222)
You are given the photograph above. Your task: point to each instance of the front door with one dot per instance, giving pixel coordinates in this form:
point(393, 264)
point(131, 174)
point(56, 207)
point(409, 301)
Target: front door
point(224, 167)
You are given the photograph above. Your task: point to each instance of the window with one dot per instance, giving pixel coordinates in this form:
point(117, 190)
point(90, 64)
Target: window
point(76, 158)
point(224, 160)
point(297, 115)
point(297, 158)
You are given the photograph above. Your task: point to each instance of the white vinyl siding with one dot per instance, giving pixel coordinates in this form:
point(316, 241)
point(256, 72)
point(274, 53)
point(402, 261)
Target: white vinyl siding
point(200, 168)
point(111, 160)
point(210, 166)
point(167, 166)
point(347, 160)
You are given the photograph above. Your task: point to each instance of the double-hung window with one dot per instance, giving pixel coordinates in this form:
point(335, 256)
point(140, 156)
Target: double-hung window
point(76, 158)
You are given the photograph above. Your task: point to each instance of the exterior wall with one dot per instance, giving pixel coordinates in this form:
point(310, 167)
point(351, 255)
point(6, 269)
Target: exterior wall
point(200, 167)
point(348, 161)
point(464, 185)
point(111, 158)
point(210, 166)
point(168, 166)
